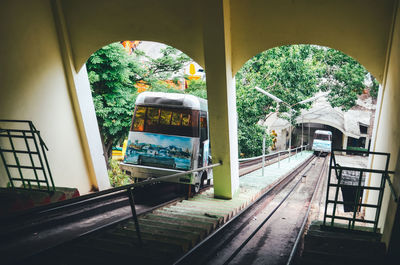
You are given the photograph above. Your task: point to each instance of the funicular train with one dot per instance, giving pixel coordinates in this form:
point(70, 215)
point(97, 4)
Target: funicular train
point(322, 142)
point(169, 134)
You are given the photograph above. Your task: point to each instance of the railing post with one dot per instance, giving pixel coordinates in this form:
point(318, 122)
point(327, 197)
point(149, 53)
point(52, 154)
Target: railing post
point(134, 216)
point(263, 155)
point(279, 159)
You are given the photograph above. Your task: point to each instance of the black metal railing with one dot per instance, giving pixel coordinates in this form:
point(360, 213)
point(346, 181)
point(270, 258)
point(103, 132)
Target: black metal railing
point(351, 181)
point(273, 155)
point(82, 200)
point(23, 153)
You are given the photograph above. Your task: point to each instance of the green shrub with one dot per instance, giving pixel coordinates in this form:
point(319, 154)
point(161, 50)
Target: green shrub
point(117, 176)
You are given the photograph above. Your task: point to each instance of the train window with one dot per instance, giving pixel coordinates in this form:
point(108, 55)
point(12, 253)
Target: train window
point(176, 118)
point(165, 117)
point(203, 128)
point(184, 122)
point(138, 121)
point(324, 137)
point(152, 116)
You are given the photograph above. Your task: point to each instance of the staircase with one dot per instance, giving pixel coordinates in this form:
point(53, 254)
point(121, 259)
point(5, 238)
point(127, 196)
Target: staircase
point(340, 246)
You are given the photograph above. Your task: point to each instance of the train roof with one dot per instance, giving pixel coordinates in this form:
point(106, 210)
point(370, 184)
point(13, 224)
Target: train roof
point(175, 100)
point(323, 132)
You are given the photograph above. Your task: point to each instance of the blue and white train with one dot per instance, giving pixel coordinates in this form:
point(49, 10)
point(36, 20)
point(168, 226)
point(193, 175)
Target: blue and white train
point(169, 134)
point(322, 143)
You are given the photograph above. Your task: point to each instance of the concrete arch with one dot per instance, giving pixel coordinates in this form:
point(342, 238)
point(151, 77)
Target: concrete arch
point(324, 123)
point(261, 25)
point(94, 24)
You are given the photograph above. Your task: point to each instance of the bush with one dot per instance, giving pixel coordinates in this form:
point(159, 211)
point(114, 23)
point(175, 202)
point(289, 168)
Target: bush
point(117, 176)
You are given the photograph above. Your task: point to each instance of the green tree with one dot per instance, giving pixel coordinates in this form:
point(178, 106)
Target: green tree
point(113, 74)
point(293, 73)
point(197, 88)
point(289, 72)
point(342, 76)
point(166, 67)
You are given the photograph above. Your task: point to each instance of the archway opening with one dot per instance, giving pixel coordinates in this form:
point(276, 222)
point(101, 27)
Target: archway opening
point(338, 91)
point(119, 74)
point(287, 93)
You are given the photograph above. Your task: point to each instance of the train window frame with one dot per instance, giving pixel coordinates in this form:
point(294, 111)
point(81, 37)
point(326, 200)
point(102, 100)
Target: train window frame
point(134, 121)
point(203, 126)
point(190, 128)
point(328, 136)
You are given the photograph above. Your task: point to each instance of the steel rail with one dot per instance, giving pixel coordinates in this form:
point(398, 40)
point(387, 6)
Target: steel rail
point(97, 195)
point(272, 154)
point(303, 225)
point(87, 197)
point(234, 254)
point(188, 257)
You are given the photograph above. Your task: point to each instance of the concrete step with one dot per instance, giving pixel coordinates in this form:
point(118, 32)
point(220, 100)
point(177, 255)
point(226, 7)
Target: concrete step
point(194, 212)
point(323, 258)
point(183, 244)
point(340, 246)
point(163, 247)
point(213, 222)
point(172, 220)
point(187, 228)
point(162, 230)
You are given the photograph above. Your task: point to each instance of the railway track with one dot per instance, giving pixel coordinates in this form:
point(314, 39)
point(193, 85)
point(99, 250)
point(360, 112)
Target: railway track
point(115, 212)
point(264, 234)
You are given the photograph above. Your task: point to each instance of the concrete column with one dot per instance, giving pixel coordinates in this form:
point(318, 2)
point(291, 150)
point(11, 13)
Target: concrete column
point(82, 105)
point(221, 95)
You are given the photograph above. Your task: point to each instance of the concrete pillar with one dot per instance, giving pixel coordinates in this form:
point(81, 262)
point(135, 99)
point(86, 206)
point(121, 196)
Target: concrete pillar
point(221, 96)
point(82, 105)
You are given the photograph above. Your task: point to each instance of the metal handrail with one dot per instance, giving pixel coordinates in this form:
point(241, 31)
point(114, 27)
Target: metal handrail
point(355, 202)
point(39, 150)
point(393, 191)
point(271, 154)
point(128, 188)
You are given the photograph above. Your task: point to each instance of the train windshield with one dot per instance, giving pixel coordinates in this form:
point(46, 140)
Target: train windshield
point(324, 137)
point(164, 120)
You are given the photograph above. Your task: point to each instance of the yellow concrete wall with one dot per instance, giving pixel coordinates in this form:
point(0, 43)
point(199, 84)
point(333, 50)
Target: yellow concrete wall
point(33, 86)
point(33, 80)
point(388, 130)
point(358, 28)
point(93, 24)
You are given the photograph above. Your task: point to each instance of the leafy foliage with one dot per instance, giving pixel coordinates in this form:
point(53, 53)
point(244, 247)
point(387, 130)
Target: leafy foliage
point(197, 88)
point(288, 72)
point(113, 74)
point(116, 176)
point(293, 73)
point(374, 89)
point(343, 78)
